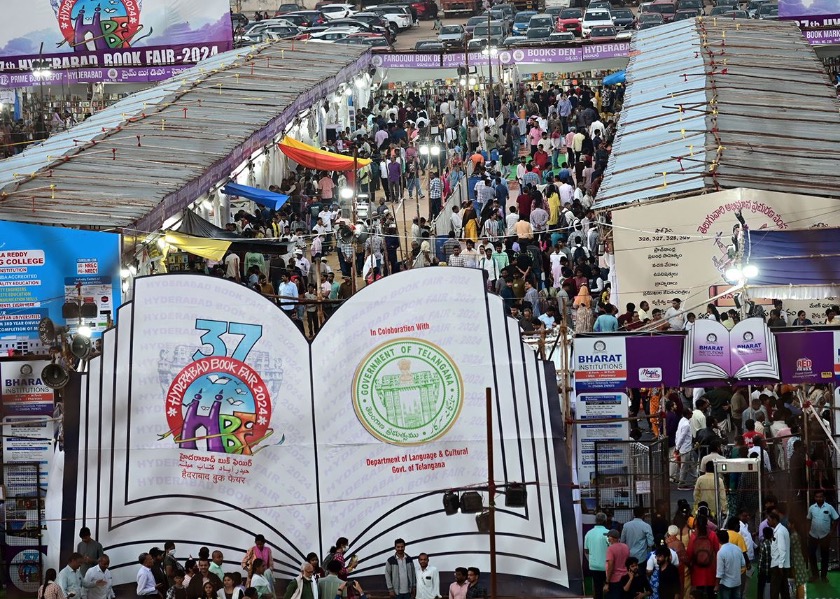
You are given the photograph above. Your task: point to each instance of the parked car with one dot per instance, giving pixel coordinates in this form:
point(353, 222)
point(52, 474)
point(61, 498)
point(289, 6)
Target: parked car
point(520, 21)
point(543, 20)
point(424, 9)
point(512, 41)
point(623, 18)
point(429, 46)
point(596, 18)
point(508, 9)
point(472, 22)
point(769, 12)
point(366, 39)
point(733, 3)
point(753, 6)
point(452, 36)
point(666, 8)
point(538, 34)
point(330, 34)
point(562, 37)
point(736, 14)
point(570, 20)
point(485, 35)
point(606, 33)
point(288, 7)
point(500, 16)
point(337, 11)
point(685, 13)
point(595, 4)
point(649, 19)
point(695, 4)
point(400, 16)
point(377, 20)
point(306, 18)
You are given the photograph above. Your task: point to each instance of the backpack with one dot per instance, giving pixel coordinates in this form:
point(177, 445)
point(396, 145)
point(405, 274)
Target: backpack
point(326, 561)
point(704, 552)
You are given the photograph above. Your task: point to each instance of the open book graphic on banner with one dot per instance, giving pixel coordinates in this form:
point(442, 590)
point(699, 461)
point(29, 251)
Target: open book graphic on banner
point(209, 418)
point(748, 351)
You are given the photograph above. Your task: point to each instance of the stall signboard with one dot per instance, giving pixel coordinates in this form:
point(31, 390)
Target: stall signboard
point(600, 365)
point(109, 75)
point(806, 357)
point(687, 257)
point(453, 60)
point(747, 351)
point(22, 391)
point(71, 276)
point(73, 35)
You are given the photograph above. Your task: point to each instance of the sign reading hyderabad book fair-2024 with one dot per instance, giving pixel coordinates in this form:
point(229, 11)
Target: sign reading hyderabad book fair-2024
point(231, 415)
point(104, 35)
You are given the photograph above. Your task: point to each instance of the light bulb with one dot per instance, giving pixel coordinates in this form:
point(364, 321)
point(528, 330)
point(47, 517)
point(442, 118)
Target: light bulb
point(732, 275)
point(750, 271)
point(84, 331)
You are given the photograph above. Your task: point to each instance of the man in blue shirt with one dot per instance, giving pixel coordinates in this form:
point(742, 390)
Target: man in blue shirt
point(638, 535)
point(595, 549)
point(730, 560)
point(607, 323)
point(822, 517)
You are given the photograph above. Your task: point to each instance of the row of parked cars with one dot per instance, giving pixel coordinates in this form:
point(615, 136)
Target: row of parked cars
point(599, 21)
point(377, 25)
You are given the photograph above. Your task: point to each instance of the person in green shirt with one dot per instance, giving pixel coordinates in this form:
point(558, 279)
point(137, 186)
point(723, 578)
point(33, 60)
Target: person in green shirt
point(328, 585)
point(595, 549)
point(302, 587)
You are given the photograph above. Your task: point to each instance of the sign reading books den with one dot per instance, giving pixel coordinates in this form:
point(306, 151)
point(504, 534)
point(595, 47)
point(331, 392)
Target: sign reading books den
point(748, 351)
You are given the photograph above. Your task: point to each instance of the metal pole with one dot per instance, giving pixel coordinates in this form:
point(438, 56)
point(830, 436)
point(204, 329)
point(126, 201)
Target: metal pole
point(353, 272)
point(491, 489)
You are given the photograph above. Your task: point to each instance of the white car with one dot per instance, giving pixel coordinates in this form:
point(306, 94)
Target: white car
point(334, 33)
point(399, 16)
point(337, 11)
point(596, 18)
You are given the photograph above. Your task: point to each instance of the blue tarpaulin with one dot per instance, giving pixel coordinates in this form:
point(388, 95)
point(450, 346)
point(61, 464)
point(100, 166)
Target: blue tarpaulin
point(797, 257)
point(269, 199)
point(615, 78)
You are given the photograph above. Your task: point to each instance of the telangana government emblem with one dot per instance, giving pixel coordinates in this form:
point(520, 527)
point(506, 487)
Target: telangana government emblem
point(407, 392)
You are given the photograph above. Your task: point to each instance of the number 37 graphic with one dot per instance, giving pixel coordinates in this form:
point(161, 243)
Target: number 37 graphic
point(214, 329)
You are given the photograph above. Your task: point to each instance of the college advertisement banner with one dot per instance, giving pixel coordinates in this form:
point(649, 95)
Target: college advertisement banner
point(69, 275)
point(687, 258)
point(748, 351)
point(806, 357)
point(91, 34)
point(232, 424)
point(22, 391)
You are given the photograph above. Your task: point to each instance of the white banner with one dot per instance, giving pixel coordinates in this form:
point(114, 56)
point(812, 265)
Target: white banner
point(686, 256)
point(230, 425)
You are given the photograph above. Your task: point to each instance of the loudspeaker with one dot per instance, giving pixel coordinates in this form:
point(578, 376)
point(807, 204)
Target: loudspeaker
point(81, 346)
point(516, 495)
point(54, 376)
point(471, 502)
point(70, 310)
point(482, 521)
point(451, 503)
point(89, 310)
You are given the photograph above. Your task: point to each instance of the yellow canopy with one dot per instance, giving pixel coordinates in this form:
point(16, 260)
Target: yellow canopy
point(211, 249)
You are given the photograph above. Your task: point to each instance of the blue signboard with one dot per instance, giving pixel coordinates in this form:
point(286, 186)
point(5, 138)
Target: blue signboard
point(72, 276)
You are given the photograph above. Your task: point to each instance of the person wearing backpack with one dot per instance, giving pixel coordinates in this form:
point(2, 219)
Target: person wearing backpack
point(702, 558)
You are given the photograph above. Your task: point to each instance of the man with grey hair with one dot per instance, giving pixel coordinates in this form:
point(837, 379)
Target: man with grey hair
point(595, 549)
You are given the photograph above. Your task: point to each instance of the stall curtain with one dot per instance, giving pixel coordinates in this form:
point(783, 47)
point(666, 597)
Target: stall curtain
point(263, 197)
point(312, 157)
point(798, 257)
point(211, 249)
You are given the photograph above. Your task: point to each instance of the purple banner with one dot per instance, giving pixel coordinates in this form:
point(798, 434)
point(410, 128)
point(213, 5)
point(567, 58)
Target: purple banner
point(806, 356)
point(557, 55)
point(711, 352)
point(817, 37)
point(113, 75)
point(654, 361)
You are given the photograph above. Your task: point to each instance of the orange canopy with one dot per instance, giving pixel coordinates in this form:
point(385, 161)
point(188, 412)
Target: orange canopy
point(312, 157)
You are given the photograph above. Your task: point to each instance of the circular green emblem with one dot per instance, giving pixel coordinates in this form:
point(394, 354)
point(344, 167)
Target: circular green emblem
point(407, 392)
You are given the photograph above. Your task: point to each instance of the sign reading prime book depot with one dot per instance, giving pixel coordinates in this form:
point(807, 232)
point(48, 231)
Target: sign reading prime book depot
point(232, 424)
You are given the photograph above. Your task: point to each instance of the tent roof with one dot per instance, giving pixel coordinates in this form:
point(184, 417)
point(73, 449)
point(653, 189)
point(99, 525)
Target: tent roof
point(147, 157)
point(722, 103)
point(193, 224)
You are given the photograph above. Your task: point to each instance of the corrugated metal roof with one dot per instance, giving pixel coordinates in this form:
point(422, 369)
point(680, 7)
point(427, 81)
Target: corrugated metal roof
point(757, 108)
point(147, 157)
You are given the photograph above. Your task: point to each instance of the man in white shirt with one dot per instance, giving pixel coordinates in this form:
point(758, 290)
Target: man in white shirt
point(779, 558)
point(682, 447)
point(145, 579)
point(510, 222)
point(457, 222)
point(98, 582)
point(428, 579)
point(70, 577)
point(232, 267)
point(675, 316)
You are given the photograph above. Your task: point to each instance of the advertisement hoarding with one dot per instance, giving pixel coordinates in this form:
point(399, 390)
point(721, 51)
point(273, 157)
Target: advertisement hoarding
point(687, 257)
point(72, 276)
point(103, 34)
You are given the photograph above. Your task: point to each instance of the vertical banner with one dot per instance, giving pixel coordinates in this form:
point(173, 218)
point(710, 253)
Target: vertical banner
point(600, 395)
point(806, 357)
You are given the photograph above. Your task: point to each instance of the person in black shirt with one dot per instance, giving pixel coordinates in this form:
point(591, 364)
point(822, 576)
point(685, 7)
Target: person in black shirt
point(634, 584)
point(474, 589)
point(666, 576)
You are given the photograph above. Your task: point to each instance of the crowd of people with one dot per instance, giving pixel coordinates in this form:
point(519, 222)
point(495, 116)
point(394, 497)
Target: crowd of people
point(161, 575)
